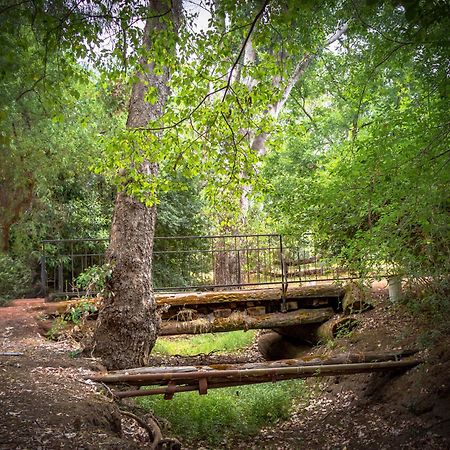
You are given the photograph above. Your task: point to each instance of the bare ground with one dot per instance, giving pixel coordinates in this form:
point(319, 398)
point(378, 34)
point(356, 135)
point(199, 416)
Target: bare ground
point(45, 402)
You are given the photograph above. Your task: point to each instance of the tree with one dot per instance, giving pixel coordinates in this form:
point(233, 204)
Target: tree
point(128, 324)
point(203, 106)
point(52, 111)
point(366, 166)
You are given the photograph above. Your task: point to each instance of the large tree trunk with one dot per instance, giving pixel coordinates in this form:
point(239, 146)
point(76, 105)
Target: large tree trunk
point(128, 323)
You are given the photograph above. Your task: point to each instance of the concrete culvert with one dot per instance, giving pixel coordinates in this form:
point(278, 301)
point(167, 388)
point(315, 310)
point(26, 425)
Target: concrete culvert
point(274, 347)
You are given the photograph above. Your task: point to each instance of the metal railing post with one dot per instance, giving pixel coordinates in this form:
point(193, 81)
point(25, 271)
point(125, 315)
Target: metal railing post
point(44, 276)
point(284, 284)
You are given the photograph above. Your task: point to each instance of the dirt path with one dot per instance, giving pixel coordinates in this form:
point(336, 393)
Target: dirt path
point(44, 400)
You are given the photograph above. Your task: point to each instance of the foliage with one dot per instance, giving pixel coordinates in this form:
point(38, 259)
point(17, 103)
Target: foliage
point(75, 315)
point(204, 343)
point(429, 298)
point(14, 278)
point(58, 327)
point(364, 163)
point(179, 213)
point(360, 159)
point(93, 280)
point(225, 412)
point(218, 105)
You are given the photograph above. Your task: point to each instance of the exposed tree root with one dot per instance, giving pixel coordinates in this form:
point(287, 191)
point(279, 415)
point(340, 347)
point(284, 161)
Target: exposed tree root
point(150, 424)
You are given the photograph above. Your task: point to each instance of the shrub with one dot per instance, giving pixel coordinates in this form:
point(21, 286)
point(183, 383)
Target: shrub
point(93, 279)
point(15, 278)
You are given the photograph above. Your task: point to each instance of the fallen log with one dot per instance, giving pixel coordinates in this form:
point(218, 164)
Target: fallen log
point(58, 308)
point(241, 321)
point(314, 360)
point(253, 375)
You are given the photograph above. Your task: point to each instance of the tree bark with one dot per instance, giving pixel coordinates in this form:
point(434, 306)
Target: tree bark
point(128, 324)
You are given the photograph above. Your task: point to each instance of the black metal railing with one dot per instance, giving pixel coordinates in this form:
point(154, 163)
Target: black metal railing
point(197, 262)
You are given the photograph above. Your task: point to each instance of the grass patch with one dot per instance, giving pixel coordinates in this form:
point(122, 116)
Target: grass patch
point(204, 343)
point(226, 412)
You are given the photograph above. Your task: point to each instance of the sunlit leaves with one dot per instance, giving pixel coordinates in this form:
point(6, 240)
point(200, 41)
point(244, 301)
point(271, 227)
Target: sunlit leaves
point(369, 174)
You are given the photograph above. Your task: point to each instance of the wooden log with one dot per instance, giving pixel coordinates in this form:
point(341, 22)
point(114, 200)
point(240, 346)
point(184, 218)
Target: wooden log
point(314, 360)
point(241, 321)
point(221, 297)
point(250, 295)
point(273, 373)
point(58, 308)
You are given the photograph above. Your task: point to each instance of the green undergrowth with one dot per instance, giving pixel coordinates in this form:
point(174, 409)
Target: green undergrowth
point(204, 343)
point(225, 412)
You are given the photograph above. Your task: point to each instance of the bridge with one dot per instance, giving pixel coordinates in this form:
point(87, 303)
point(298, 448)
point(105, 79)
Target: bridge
point(223, 283)
point(198, 263)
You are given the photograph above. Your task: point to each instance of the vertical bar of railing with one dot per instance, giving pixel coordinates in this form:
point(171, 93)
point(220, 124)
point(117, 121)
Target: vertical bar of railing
point(72, 275)
point(238, 262)
point(284, 284)
point(60, 277)
point(258, 261)
point(44, 277)
point(247, 262)
point(213, 262)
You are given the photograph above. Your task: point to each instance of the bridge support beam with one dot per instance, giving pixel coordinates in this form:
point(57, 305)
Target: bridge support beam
point(242, 321)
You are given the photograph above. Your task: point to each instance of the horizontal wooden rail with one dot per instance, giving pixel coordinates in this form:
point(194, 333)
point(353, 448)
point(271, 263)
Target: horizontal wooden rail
point(202, 378)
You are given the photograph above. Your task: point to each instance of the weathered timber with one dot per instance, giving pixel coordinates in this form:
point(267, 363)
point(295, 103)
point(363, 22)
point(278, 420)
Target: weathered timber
point(314, 360)
point(267, 374)
point(250, 295)
point(57, 308)
point(220, 297)
point(315, 333)
point(241, 321)
point(184, 388)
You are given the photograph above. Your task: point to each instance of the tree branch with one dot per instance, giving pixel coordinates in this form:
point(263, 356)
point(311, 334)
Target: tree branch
point(363, 92)
point(31, 88)
point(301, 68)
point(183, 119)
point(152, 428)
point(250, 31)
